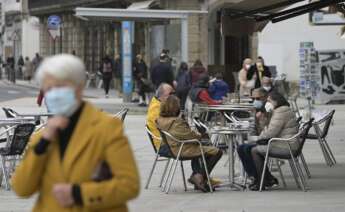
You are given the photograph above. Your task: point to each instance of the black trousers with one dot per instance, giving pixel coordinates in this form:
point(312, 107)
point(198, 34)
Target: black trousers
point(106, 84)
point(211, 161)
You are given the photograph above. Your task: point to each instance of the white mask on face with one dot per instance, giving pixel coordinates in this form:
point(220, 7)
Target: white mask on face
point(269, 107)
point(267, 88)
point(247, 66)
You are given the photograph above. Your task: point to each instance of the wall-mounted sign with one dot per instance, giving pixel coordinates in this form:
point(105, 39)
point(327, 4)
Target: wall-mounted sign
point(54, 24)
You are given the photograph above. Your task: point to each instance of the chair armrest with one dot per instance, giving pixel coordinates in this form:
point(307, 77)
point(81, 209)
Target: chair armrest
point(7, 130)
point(189, 141)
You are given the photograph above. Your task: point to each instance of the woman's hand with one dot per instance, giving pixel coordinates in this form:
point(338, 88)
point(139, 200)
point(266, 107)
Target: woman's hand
point(63, 194)
point(54, 124)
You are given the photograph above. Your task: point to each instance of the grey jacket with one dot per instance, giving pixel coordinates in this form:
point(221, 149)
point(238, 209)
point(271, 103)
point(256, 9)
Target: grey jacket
point(282, 125)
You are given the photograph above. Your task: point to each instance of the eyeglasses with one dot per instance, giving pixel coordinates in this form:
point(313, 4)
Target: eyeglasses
point(256, 98)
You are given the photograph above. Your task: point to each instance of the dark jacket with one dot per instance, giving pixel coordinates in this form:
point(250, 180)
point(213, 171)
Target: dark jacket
point(139, 69)
point(218, 89)
point(162, 73)
point(184, 84)
point(196, 72)
point(254, 71)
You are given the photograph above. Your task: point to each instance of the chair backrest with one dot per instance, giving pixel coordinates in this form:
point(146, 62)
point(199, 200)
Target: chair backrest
point(200, 126)
point(151, 137)
point(164, 136)
point(122, 114)
point(303, 132)
point(20, 138)
point(326, 120)
point(9, 112)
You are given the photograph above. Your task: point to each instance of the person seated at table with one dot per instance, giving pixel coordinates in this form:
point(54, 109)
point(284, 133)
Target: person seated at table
point(218, 88)
point(262, 118)
point(282, 125)
point(170, 121)
point(199, 92)
point(162, 93)
point(267, 84)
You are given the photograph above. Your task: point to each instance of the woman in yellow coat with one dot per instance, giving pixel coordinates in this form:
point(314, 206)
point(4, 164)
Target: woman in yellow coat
point(62, 162)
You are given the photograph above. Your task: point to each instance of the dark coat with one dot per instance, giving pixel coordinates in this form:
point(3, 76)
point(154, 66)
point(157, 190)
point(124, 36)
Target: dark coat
point(196, 72)
point(162, 73)
point(184, 84)
point(139, 69)
point(254, 71)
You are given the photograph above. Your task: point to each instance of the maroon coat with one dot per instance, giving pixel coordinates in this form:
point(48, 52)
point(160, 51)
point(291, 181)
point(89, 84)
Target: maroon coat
point(196, 72)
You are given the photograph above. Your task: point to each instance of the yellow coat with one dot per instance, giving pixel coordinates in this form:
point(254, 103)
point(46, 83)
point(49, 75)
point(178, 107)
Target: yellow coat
point(97, 137)
point(152, 115)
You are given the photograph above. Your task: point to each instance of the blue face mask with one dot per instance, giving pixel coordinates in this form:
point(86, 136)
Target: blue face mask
point(258, 104)
point(61, 101)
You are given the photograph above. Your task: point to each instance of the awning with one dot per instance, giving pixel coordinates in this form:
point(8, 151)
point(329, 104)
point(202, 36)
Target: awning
point(239, 18)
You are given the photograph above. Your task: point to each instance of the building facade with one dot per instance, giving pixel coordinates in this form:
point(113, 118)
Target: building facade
point(221, 44)
point(19, 31)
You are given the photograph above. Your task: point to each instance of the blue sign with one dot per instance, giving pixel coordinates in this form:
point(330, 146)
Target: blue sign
point(127, 57)
point(54, 22)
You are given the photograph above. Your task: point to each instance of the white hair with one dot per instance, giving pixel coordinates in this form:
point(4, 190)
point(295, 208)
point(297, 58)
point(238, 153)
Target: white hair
point(62, 67)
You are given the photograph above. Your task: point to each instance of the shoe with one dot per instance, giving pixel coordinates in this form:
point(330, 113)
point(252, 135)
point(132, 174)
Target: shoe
point(106, 96)
point(135, 101)
point(198, 181)
point(272, 183)
point(215, 182)
point(142, 104)
point(256, 187)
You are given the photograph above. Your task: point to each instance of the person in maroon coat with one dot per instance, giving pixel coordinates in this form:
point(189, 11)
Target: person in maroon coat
point(197, 71)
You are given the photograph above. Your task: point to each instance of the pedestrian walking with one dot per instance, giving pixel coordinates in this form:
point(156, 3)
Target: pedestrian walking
point(81, 160)
point(107, 73)
point(162, 72)
point(20, 64)
point(37, 61)
point(118, 73)
point(140, 76)
point(28, 69)
point(184, 84)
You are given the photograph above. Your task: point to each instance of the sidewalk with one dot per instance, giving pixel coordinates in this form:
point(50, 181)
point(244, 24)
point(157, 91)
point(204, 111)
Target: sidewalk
point(96, 96)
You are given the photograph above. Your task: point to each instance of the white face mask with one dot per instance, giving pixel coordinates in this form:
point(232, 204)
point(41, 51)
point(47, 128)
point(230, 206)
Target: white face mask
point(247, 66)
point(269, 107)
point(61, 101)
point(267, 88)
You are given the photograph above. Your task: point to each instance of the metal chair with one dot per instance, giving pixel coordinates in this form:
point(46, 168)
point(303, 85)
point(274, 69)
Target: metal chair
point(293, 158)
point(15, 148)
point(294, 106)
point(9, 112)
point(321, 135)
point(122, 114)
point(158, 158)
point(177, 158)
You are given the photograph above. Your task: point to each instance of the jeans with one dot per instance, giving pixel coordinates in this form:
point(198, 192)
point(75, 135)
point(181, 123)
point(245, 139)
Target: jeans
point(244, 152)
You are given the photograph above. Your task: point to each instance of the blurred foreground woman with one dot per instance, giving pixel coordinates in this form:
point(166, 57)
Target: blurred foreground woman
point(81, 161)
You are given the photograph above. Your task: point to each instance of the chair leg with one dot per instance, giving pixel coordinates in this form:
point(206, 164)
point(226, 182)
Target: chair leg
point(294, 162)
point(4, 171)
point(305, 165)
point(164, 173)
point(183, 177)
point(323, 148)
point(330, 153)
point(151, 172)
point(293, 170)
point(264, 170)
point(168, 176)
point(281, 173)
point(299, 169)
point(172, 176)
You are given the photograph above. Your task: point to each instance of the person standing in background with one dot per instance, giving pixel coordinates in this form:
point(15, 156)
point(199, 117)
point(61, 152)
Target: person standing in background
point(28, 69)
point(140, 75)
point(162, 72)
point(107, 73)
point(197, 71)
point(20, 64)
point(260, 70)
point(118, 73)
point(184, 83)
point(246, 85)
point(36, 61)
